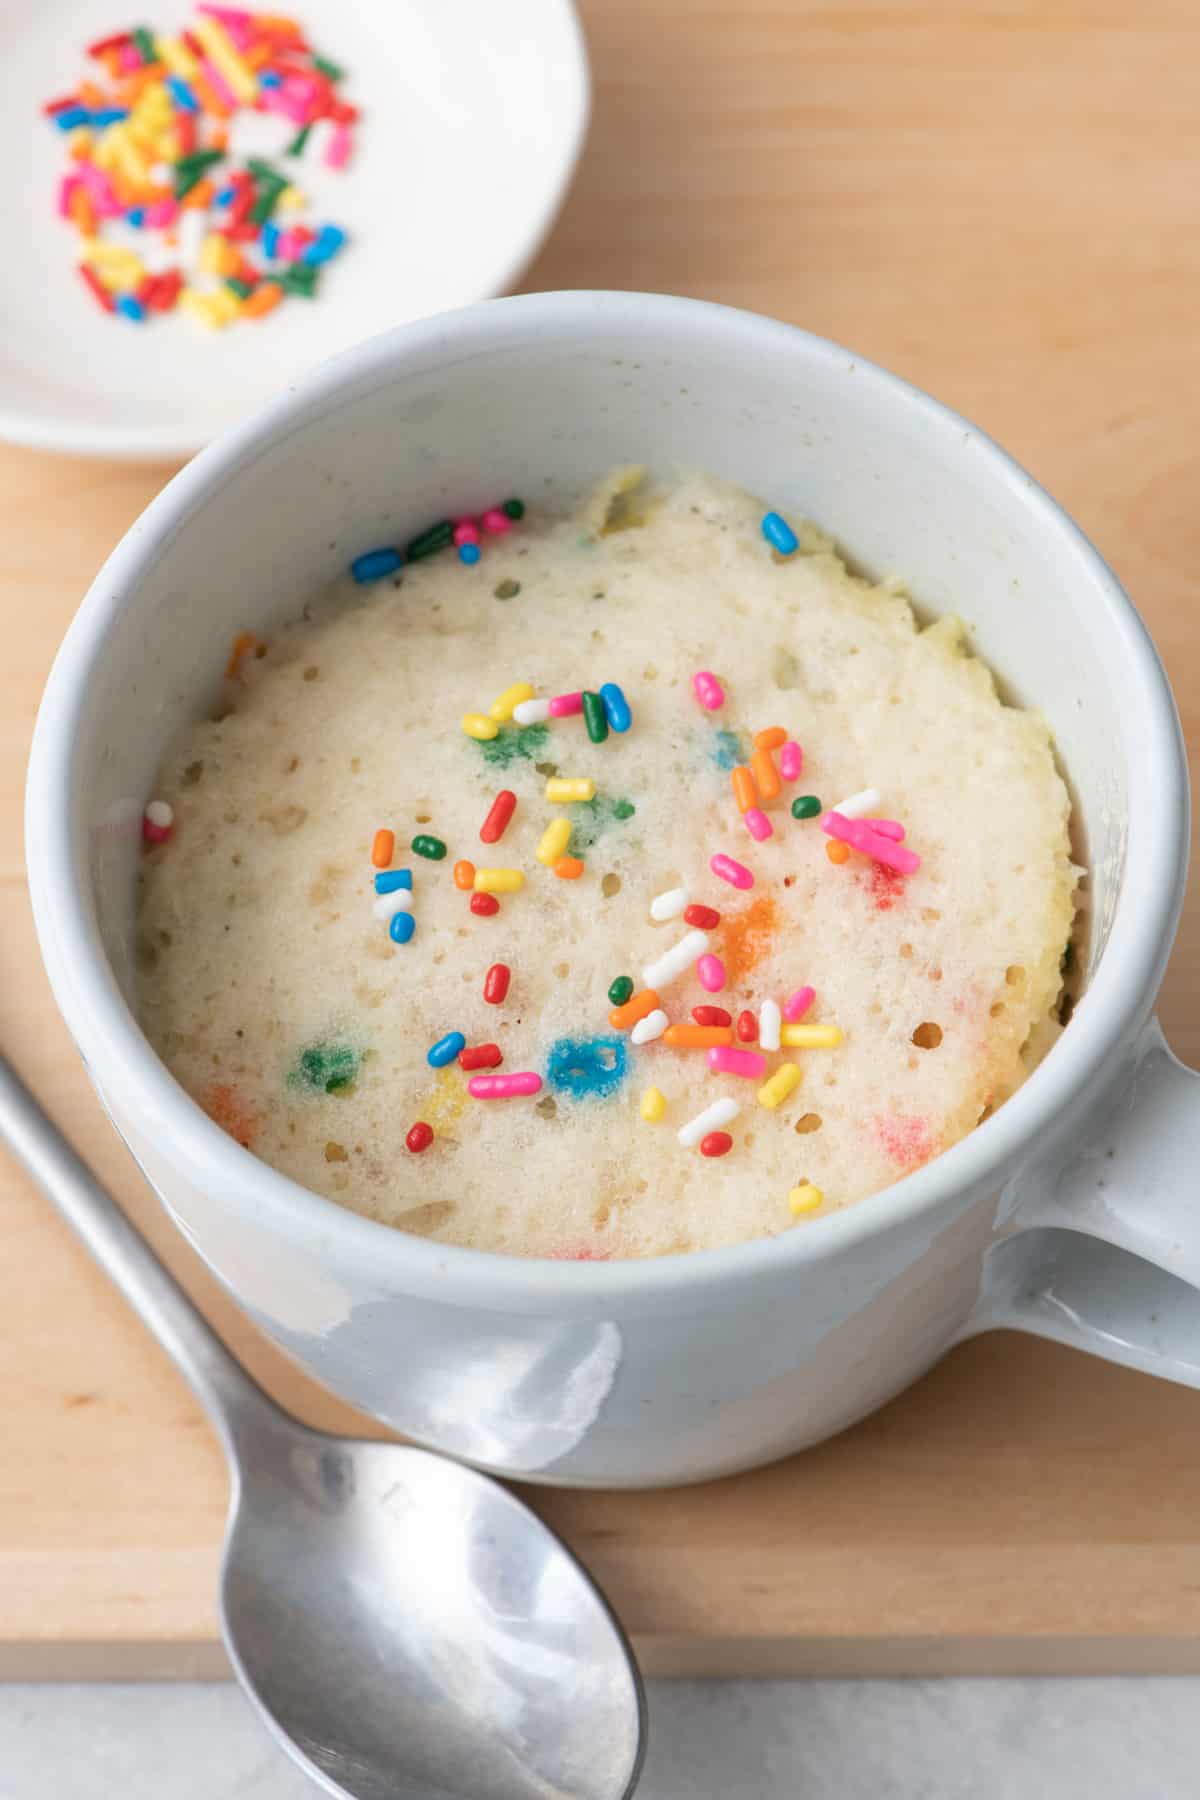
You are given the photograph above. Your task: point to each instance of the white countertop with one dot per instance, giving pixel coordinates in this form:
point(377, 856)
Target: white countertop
point(1091, 1739)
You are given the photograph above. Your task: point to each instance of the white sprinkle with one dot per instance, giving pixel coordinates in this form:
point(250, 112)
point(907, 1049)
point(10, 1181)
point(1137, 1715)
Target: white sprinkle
point(769, 1020)
point(258, 134)
point(858, 805)
point(673, 962)
point(388, 905)
point(191, 231)
point(711, 1119)
point(669, 905)
point(160, 815)
point(649, 1028)
point(532, 712)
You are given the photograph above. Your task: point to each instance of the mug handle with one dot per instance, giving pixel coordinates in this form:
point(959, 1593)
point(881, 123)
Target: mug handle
point(1102, 1249)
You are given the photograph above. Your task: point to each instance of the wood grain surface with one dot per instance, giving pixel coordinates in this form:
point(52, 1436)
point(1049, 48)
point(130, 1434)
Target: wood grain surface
point(997, 199)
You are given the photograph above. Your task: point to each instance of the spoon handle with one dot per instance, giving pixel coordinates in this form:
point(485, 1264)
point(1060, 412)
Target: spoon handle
point(232, 1401)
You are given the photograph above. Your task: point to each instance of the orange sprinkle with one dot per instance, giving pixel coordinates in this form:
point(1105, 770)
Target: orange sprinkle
point(773, 738)
point(747, 936)
point(464, 875)
point(82, 212)
point(697, 1037)
point(218, 137)
point(383, 847)
point(568, 868)
point(133, 84)
point(243, 644)
point(91, 95)
point(766, 775)
point(80, 147)
point(836, 852)
point(202, 195)
point(230, 1109)
point(257, 55)
point(210, 101)
point(112, 62)
point(744, 790)
point(624, 1018)
point(264, 299)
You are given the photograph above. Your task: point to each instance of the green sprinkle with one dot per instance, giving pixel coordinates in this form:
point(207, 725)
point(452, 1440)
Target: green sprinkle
point(325, 1067)
point(621, 990)
point(438, 537)
point(186, 182)
point(197, 159)
point(513, 509)
point(266, 203)
point(334, 70)
point(507, 590)
point(296, 147)
point(595, 718)
point(243, 289)
point(262, 171)
point(298, 278)
point(623, 809)
point(508, 746)
point(806, 807)
point(145, 44)
point(424, 845)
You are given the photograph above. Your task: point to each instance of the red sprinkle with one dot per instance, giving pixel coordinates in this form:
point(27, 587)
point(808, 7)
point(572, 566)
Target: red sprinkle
point(495, 983)
point(419, 1137)
point(480, 1056)
point(496, 823)
point(746, 1028)
point(706, 917)
point(98, 288)
point(485, 905)
point(711, 1015)
point(716, 1143)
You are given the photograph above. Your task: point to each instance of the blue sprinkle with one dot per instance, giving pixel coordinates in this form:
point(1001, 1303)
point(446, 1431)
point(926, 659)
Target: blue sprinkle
point(727, 751)
point(587, 1067)
point(401, 927)
point(269, 79)
point(182, 94)
point(389, 881)
point(71, 116)
point(270, 240)
point(447, 1048)
point(616, 707)
point(373, 565)
point(468, 553)
point(780, 535)
point(136, 215)
point(324, 246)
point(108, 115)
point(226, 196)
point(130, 307)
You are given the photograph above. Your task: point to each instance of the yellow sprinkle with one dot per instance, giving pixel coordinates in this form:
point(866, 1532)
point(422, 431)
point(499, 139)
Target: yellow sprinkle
point(225, 305)
point(810, 1037)
point(555, 839)
point(498, 881)
point(177, 57)
point(215, 254)
point(654, 1105)
point(203, 308)
point(502, 706)
point(805, 1199)
point(219, 44)
point(102, 254)
point(562, 788)
point(449, 1099)
point(779, 1085)
point(291, 200)
point(478, 725)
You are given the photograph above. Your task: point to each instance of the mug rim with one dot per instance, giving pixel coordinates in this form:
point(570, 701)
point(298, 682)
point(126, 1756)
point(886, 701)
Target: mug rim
point(137, 1081)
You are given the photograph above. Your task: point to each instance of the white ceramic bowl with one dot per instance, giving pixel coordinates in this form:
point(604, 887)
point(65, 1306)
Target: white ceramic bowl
point(678, 1367)
point(473, 119)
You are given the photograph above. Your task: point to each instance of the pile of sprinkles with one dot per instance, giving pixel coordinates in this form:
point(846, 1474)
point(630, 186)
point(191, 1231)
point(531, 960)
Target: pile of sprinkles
point(739, 1044)
point(169, 183)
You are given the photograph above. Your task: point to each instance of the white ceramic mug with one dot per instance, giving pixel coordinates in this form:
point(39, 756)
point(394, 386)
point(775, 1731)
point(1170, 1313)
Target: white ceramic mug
point(1072, 1212)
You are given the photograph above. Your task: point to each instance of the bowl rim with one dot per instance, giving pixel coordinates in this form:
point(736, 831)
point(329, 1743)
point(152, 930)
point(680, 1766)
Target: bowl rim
point(137, 1084)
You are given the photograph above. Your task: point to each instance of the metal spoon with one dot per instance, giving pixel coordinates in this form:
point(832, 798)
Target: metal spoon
point(404, 1626)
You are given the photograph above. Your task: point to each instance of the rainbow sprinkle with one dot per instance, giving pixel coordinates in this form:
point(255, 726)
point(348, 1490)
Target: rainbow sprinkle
point(169, 182)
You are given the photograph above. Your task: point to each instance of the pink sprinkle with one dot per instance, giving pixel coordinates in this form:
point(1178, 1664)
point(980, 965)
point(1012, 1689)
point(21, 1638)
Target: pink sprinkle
point(276, 100)
point(757, 823)
point(341, 146)
point(563, 705)
point(466, 532)
point(129, 57)
point(710, 972)
point(725, 1060)
point(503, 1087)
point(66, 188)
point(791, 761)
point(735, 873)
point(228, 15)
point(888, 828)
point(858, 834)
point(161, 213)
point(709, 691)
point(496, 522)
point(797, 1004)
point(219, 85)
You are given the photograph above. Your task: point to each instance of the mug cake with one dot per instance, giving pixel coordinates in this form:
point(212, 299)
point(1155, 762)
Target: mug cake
point(612, 885)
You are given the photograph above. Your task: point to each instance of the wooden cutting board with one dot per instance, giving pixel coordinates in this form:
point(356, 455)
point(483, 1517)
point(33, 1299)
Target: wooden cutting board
point(999, 201)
